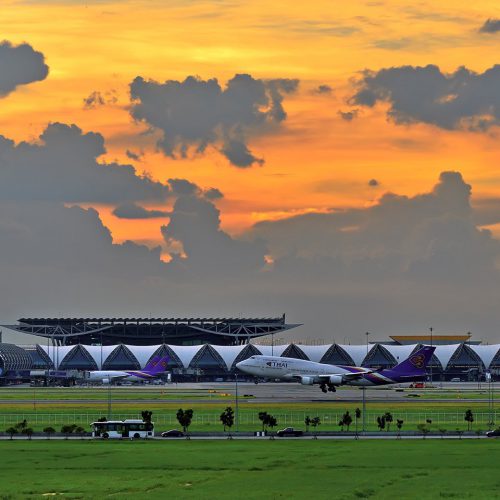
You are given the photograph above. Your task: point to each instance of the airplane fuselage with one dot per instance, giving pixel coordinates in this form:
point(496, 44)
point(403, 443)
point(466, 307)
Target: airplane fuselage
point(310, 372)
point(112, 375)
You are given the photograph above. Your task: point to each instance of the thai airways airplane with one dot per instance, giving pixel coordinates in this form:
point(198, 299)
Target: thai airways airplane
point(152, 370)
point(331, 376)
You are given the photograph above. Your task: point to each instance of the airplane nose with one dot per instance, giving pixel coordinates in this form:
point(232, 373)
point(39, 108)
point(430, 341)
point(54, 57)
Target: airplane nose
point(241, 365)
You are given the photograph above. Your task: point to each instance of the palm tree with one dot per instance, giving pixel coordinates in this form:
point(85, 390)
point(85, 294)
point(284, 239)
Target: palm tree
point(184, 417)
point(11, 431)
point(28, 431)
point(263, 417)
point(388, 418)
point(347, 420)
point(272, 422)
point(307, 421)
point(469, 418)
point(80, 430)
point(227, 419)
point(357, 414)
point(423, 429)
point(381, 423)
point(399, 424)
point(68, 429)
point(315, 422)
point(49, 431)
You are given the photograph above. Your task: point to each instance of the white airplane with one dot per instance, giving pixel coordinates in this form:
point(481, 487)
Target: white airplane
point(152, 370)
point(331, 376)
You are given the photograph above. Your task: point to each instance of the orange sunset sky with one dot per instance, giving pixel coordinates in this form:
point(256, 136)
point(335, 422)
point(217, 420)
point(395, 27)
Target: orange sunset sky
point(314, 160)
point(335, 161)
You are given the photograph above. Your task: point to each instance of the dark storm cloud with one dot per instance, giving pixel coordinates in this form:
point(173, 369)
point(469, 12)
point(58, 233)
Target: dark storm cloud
point(490, 26)
point(387, 266)
point(63, 167)
point(348, 116)
point(20, 65)
point(96, 99)
point(133, 156)
point(209, 251)
point(323, 89)
point(213, 194)
point(133, 211)
point(460, 100)
point(428, 237)
point(194, 114)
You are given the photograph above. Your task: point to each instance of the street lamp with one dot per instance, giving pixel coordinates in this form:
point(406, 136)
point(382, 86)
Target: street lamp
point(237, 412)
point(363, 388)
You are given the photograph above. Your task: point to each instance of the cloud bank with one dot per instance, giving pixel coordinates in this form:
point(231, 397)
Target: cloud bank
point(20, 65)
point(394, 267)
point(195, 113)
point(490, 26)
point(460, 100)
point(63, 167)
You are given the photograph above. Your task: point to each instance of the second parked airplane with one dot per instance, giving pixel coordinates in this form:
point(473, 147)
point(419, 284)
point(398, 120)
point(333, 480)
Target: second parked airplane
point(156, 367)
point(331, 376)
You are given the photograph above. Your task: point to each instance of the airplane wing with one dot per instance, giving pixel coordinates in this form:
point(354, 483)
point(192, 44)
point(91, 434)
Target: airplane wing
point(345, 376)
point(116, 377)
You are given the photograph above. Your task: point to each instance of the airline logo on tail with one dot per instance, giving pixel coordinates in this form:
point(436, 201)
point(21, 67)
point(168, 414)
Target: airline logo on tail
point(157, 365)
point(418, 361)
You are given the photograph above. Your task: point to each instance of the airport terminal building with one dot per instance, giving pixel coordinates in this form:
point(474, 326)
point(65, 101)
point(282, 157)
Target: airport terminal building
point(209, 348)
point(208, 362)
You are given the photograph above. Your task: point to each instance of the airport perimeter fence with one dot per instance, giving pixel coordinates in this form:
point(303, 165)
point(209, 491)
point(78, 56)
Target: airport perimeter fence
point(293, 419)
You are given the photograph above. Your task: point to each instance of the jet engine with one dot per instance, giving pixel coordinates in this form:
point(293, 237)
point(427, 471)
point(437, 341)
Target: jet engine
point(336, 379)
point(106, 380)
point(307, 380)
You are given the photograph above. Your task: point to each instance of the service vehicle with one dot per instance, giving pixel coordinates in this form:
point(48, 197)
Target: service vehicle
point(118, 429)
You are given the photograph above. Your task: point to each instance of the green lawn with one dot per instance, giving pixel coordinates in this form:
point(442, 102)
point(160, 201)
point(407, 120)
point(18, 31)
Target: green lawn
point(40, 409)
point(251, 469)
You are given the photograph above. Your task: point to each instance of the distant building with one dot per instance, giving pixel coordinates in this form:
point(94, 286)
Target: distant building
point(151, 331)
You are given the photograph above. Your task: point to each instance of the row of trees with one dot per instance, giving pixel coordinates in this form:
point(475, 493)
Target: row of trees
point(22, 428)
point(185, 417)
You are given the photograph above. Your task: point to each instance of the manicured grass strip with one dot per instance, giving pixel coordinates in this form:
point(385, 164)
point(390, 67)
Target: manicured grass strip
point(251, 469)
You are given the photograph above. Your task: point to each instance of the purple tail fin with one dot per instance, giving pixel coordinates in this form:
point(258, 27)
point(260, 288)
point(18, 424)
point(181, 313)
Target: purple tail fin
point(416, 363)
point(157, 365)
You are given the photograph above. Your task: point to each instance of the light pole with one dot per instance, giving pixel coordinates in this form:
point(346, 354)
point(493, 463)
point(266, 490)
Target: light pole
point(489, 380)
point(237, 412)
point(364, 389)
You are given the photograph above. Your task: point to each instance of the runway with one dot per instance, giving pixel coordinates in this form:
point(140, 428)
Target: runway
point(250, 393)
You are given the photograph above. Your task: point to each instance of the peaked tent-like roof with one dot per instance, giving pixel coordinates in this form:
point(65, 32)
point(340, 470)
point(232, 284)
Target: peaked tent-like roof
point(186, 353)
point(399, 352)
point(143, 353)
point(96, 350)
point(487, 353)
point(268, 350)
point(357, 352)
point(57, 353)
point(228, 353)
point(444, 353)
point(314, 352)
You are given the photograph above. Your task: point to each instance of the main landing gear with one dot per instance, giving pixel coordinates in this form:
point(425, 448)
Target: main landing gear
point(327, 387)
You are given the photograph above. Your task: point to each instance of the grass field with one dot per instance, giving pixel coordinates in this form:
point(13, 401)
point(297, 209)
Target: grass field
point(39, 407)
point(250, 469)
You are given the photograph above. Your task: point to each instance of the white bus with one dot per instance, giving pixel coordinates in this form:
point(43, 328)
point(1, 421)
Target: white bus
point(118, 429)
